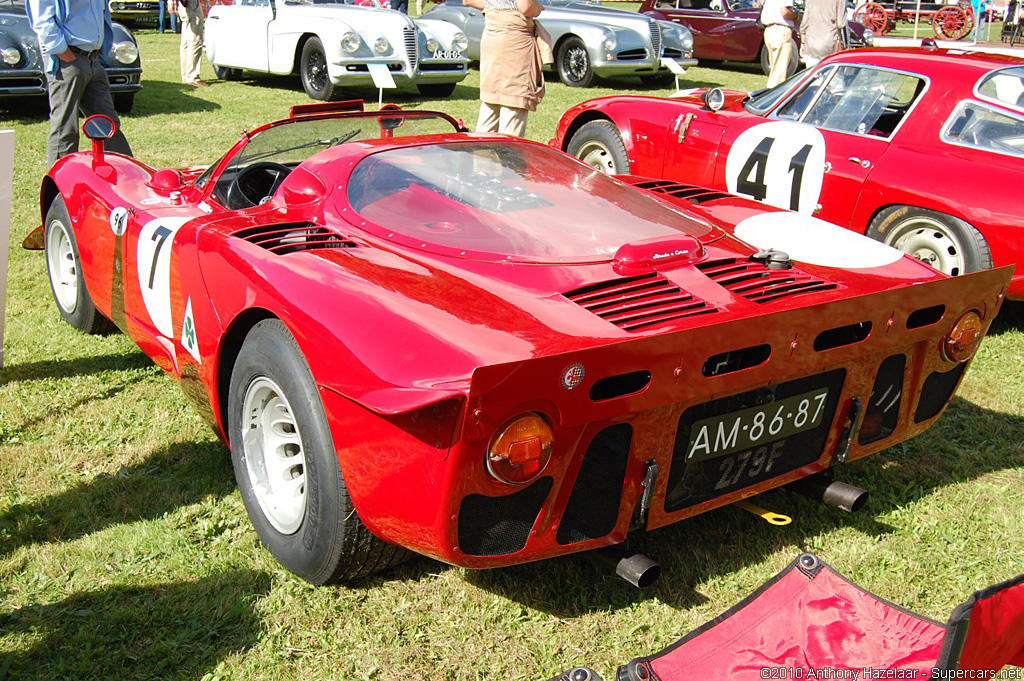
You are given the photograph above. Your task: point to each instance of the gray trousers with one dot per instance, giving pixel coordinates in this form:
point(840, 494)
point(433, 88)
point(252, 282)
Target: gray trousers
point(79, 85)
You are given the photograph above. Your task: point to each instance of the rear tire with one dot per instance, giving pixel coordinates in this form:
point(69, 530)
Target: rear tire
point(794, 61)
point(64, 268)
point(287, 468)
point(316, 80)
point(945, 242)
point(599, 144)
point(436, 90)
point(227, 72)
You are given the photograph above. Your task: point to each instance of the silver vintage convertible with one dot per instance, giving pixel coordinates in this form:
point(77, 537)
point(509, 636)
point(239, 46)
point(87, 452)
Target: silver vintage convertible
point(590, 40)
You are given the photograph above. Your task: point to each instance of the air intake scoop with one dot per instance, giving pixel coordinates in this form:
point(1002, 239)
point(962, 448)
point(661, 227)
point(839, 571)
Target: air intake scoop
point(659, 253)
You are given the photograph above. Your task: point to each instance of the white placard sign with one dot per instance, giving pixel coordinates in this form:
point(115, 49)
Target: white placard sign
point(6, 189)
point(673, 66)
point(381, 75)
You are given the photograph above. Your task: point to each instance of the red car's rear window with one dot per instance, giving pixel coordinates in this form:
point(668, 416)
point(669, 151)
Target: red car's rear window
point(513, 201)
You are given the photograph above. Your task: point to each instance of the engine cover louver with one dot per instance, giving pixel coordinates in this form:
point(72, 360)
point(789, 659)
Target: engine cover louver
point(688, 192)
point(632, 303)
point(760, 284)
point(292, 237)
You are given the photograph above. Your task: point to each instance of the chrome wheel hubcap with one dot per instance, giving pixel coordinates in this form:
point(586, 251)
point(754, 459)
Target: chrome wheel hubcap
point(928, 241)
point(274, 459)
point(60, 260)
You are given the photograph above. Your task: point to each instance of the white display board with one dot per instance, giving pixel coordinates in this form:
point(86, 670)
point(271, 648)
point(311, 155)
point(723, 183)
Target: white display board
point(6, 190)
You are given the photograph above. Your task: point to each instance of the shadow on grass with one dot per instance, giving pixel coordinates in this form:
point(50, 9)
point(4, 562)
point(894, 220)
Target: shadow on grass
point(80, 366)
point(1010, 318)
point(160, 97)
point(182, 474)
point(966, 443)
point(165, 631)
point(404, 94)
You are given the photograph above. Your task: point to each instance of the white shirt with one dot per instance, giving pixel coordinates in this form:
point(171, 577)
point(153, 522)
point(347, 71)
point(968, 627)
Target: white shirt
point(771, 12)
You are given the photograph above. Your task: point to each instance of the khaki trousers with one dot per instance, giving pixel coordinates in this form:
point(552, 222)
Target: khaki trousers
point(779, 41)
point(191, 40)
point(503, 119)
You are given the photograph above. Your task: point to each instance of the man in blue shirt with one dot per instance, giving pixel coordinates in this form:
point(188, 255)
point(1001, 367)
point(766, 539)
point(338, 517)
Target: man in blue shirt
point(980, 17)
point(73, 34)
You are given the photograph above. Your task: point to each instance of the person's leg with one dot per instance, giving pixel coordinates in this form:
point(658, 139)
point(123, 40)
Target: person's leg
point(65, 91)
point(191, 43)
point(160, 16)
point(513, 121)
point(96, 99)
point(489, 118)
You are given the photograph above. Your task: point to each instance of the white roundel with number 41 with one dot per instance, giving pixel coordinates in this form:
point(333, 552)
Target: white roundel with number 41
point(780, 163)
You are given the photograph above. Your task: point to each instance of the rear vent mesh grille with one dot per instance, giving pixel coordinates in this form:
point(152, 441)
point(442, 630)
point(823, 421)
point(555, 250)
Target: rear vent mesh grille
point(757, 283)
point(633, 303)
point(682, 191)
point(289, 238)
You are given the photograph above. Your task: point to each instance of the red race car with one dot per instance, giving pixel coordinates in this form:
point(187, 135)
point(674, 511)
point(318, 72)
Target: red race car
point(918, 148)
point(481, 349)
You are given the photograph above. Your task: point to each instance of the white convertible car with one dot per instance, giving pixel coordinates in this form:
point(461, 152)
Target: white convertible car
point(331, 43)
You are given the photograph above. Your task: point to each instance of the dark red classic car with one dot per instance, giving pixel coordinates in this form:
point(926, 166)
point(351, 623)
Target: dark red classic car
point(480, 349)
point(920, 148)
point(726, 29)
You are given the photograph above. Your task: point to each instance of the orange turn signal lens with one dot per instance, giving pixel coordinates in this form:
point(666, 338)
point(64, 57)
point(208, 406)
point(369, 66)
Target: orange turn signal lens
point(963, 339)
point(522, 451)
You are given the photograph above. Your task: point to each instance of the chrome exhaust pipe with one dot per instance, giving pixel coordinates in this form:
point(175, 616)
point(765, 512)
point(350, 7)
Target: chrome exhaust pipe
point(824, 487)
point(635, 568)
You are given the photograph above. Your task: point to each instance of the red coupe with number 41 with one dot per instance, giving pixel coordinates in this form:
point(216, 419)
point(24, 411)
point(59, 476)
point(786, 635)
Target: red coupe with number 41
point(480, 349)
point(922, 149)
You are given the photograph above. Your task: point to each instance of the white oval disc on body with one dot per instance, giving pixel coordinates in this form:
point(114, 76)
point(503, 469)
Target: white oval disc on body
point(153, 258)
point(780, 162)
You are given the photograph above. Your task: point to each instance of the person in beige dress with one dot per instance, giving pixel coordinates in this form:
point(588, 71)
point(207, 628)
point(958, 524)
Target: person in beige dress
point(511, 76)
point(823, 23)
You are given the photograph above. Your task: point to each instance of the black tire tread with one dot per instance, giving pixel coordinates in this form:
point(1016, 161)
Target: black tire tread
point(606, 132)
point(976, 242)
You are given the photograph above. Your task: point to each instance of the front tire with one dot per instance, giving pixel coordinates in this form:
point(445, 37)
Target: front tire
point(573, 63)
point(599, 144)
point(436, 90)
point(287, 469)
point(316, 81)
point(945, 242)
point(64, 268)
point(124, 101)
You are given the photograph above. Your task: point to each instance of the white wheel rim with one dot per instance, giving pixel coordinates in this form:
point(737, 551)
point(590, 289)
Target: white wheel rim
point(929, 241)
point(597, 155)
point(273, 455)
point(60, 264)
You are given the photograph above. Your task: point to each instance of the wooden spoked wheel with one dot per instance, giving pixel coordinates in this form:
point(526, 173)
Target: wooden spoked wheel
point(873, 16)
point(951, 23)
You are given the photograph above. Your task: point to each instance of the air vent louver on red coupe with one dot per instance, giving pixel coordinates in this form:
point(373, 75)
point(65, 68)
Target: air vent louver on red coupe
point(292, 237)
point(682, 191)
point(632, 303)
point(757, 283)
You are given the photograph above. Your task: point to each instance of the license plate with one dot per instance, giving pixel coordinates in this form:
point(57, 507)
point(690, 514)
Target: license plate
point(734, 442)
point(447, 54)
point(741, 430)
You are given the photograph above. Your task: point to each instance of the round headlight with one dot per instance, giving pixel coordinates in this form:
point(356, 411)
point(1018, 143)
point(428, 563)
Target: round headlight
point(521, 452)
point(460, 42)
point(869, 37)
point(11, 56)
point(126, 52)
point(609, 43)
point(963, 339)
point(350, 42)
point(381, 45)
point(686, 41)
point(432, 45)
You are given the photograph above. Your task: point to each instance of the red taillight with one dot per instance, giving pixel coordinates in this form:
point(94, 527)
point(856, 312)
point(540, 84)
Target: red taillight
point(521, 452)
point(963, 339)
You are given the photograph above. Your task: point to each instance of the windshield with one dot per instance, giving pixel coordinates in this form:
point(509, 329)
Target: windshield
point(357, 3)
point(513, 201)
point(292, 141)
point(761, 101)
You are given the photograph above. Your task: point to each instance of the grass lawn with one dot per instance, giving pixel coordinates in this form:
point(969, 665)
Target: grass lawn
point(125, 551)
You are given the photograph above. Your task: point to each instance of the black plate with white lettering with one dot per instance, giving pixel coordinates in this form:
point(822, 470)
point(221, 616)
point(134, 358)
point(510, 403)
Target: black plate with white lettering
point(738, 441)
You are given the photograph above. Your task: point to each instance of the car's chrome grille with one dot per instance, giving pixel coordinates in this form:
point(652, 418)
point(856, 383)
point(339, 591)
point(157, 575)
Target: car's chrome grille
point(412, 46)
point(632, 303)
point(760, 284)
point(655, 37)
point(689, 192)
point(292, 237)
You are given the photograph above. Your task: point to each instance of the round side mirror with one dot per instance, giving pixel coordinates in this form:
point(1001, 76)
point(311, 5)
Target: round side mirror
point(99, 127)
point(714, 98)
